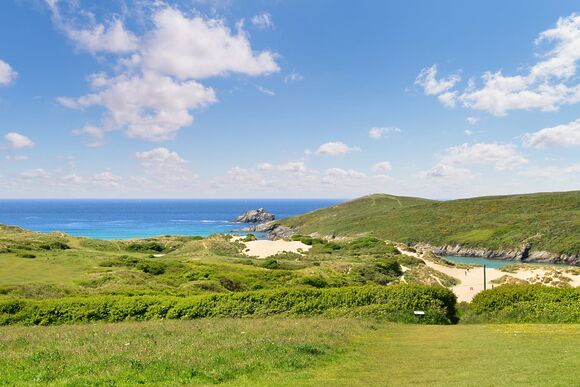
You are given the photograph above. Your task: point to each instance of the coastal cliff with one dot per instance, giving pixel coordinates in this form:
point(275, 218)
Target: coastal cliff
point(524, 254)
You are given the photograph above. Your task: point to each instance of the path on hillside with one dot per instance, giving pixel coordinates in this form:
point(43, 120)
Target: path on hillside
point(435, 355)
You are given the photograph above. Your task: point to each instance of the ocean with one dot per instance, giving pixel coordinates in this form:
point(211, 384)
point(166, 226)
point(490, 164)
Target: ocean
point(136, 218)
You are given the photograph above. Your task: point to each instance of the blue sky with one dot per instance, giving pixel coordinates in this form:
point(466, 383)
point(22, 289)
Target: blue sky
point(288, 98)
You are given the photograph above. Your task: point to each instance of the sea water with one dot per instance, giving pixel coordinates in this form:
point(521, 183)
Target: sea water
point(494, 263)
point(136, 218)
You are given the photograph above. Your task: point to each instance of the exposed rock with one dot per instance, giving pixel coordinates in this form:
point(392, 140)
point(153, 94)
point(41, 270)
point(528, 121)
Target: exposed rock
point(255, 216)
point(523, 254)
point(272, 229)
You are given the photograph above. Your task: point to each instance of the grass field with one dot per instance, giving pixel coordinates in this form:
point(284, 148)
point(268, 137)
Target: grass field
point(274, 351)
point(548, 221)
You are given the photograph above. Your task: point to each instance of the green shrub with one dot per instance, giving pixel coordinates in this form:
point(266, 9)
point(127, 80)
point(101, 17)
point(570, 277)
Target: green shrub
point(315, 281)
point(25, 255)
point(152, 267)
point(391, 303)
point(121, 261)
point(249, 238)
point(271, 264)
point(145, 246)
point(525, 303)
point(381, 273)
point(54, 245)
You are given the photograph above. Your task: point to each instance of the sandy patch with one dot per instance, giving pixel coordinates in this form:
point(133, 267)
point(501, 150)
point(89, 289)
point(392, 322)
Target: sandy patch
point(471, 280)
point(265, 248)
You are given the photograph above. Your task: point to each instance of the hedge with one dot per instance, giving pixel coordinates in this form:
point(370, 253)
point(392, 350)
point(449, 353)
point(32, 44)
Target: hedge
point(391, 303)
point(525, 303)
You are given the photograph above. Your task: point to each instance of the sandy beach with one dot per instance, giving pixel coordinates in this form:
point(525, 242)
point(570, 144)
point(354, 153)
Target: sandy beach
point(266, 248)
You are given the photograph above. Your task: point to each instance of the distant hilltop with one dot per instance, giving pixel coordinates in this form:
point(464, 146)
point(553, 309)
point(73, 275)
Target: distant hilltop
point(255, 216)
point(541, 227)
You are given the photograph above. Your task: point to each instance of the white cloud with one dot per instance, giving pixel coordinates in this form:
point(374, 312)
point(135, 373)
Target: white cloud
point(468, 132)
point(107, 179)
point(157, 87)
point(291, 166)
point(200, 48)
point(16, 158)
point(263, 21)
point(72, 179)
point(165, 165)
point(266, 91)
point(38, 173)
point(293, 77)
point(552, 172)
point(427, 79)
point(18, 141)
point(472, 120)
point(547, 85)
point(444, 171)
point(377, 132)
point(97, 135)
point(93, 37)
point(565, 135)
point(112, 38)
point(335, 148)
point(502, 156)
point(339, 175)
point(152, 106)
point(7, 73)
point(384, 166)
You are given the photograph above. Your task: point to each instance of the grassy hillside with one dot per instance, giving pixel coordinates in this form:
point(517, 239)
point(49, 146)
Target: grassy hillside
point(549, 221)
point(53, 265)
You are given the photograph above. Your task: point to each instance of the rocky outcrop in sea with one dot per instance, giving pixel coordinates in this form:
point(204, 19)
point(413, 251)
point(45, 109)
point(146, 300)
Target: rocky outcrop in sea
point(255, 216)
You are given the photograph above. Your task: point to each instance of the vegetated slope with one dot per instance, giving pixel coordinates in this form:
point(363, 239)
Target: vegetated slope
point(549, 221)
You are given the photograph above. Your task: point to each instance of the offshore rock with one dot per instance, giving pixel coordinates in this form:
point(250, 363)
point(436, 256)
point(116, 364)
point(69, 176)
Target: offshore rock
point(255, 216)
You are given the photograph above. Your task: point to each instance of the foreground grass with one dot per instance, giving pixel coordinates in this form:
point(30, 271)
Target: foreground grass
point(321, 352)
point(461, 355)
point(170, 352)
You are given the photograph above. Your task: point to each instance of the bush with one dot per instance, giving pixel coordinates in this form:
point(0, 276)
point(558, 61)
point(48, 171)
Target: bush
point(145, 246)
point(25, 255)
point(152, 267)
point(525, 303)
point(55, 245)
point(122, 261)
point(271, 264)
point(249, 238)
point(391, 303)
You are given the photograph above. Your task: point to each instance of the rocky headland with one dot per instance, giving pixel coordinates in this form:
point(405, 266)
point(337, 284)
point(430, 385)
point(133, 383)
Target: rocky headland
point(523, 254)
point(255, 216)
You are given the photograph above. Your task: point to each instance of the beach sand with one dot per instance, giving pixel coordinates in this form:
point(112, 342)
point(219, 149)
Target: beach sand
point(471, 280)
point(266, 248)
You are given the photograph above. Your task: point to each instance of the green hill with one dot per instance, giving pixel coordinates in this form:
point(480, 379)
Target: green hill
point(548, 221)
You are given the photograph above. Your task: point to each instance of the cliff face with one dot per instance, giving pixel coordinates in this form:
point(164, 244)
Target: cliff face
point(524, 254)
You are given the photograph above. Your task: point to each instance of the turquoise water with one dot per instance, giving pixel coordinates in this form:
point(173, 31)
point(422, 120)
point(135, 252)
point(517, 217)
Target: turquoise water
point(493, 263)
point(121, 219)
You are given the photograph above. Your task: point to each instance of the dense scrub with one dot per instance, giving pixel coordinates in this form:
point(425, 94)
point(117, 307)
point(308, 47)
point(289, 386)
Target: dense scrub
point(392, 303)
point(524, 303)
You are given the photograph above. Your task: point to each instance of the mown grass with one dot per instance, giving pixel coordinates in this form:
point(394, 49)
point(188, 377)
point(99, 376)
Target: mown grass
point(548, 221)
point(461, 355)
point(274, 351)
